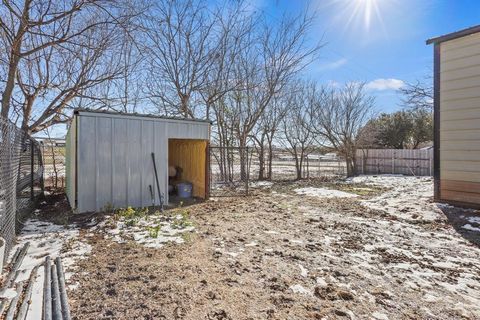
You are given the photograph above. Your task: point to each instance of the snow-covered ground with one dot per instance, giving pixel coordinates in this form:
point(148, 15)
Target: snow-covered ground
point(261, 184)
point(391, 256)
point(152, 231)
point(409, 198)
point(324, 193)
point(403, 259)
point(46, 239)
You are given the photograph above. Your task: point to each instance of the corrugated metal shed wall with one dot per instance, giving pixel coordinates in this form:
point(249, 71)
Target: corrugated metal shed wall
point(114, 157)
point(70, 154)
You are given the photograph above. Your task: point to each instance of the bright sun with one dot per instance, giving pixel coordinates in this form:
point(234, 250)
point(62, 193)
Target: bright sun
point(364, 12)
point(367, 9)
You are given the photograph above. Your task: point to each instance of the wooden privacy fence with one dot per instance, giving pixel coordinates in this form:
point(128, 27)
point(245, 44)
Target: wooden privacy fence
point(418, 162)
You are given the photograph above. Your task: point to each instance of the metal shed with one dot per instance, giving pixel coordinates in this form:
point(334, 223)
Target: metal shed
point(457, 117)
point(109, 158)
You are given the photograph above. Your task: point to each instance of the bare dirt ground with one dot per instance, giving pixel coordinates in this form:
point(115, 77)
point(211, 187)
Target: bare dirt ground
point(387, 252)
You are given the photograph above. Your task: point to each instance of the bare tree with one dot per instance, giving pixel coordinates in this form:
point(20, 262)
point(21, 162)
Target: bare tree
point(181, 47)
point(418, 95)
point(338, 117)
point(232, 35)
point(57, 52)
point(297, 137)
point(265, 133)
point(276, 55)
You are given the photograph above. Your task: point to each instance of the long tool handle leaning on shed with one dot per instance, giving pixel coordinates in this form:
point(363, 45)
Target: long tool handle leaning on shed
point(152, 195)
point(158, 184)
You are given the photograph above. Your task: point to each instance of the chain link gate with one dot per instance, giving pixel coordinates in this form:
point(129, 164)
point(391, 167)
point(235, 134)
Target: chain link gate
point(21, 178)
point(229, 169)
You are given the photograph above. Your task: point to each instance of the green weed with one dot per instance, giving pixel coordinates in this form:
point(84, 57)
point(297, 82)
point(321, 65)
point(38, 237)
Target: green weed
point(183, 222)
point(154, 231)
point(130, 213)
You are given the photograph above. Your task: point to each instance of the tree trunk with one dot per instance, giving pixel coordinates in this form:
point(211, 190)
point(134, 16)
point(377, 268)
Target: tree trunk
point(298, 164)
point(270, 156)
point(270, 160)
point(261, 156)
point(14, 60)
point(261, 163)
point(243, 158)
point(351, 165)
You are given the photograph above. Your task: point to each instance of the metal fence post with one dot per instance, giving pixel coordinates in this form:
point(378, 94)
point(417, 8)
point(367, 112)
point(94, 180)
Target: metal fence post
point(247, 173)
point(32, 178)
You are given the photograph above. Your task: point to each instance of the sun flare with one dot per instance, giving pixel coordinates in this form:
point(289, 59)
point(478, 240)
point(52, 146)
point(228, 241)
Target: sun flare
point(363, 13)
point(367, 10)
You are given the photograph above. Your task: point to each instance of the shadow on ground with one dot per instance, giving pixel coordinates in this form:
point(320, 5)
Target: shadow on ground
point(463, 220)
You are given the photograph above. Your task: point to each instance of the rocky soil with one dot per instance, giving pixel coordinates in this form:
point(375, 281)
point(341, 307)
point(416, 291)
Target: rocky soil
point(388, 253)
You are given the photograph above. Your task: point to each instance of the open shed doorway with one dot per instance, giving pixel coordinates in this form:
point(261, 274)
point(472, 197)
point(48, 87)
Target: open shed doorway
point(187, 163)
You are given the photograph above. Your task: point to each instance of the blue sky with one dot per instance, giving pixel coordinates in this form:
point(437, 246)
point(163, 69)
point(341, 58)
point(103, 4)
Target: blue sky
point(381, 42)
point(386, 50)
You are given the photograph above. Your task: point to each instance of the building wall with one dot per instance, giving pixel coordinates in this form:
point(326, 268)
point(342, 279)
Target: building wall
point(70, 154)
point(460, 119)
point(115, 165)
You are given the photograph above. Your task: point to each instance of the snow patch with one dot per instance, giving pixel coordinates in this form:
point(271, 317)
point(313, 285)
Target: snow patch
point(46, 239)
point(271, 232)
point(301, 290)
point(409, 197)
point(469, 227)
point(303, 271)
point(324, 193)
point(251, 244)
point(474, 220)
point(152, 231)
point(379, 316)
point(296, 241)
point(261, 184)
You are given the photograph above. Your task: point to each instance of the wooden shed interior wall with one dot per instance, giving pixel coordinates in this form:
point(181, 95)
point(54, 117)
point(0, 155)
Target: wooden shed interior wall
point(460, 120)
point(191, 156)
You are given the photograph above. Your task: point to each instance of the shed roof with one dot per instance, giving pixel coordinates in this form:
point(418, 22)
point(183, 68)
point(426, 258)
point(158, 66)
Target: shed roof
point(83, 111)
point(454, 35)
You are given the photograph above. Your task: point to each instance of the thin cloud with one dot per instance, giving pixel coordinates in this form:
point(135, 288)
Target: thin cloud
point(333, 84)
point(333, 65)
point(385, 84)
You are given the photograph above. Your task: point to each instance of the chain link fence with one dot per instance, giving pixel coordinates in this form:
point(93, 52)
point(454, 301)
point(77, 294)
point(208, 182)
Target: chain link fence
point(283, 166)
point(233, 169)
point(53, 152)
point(21, 178)
point(229, 171)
